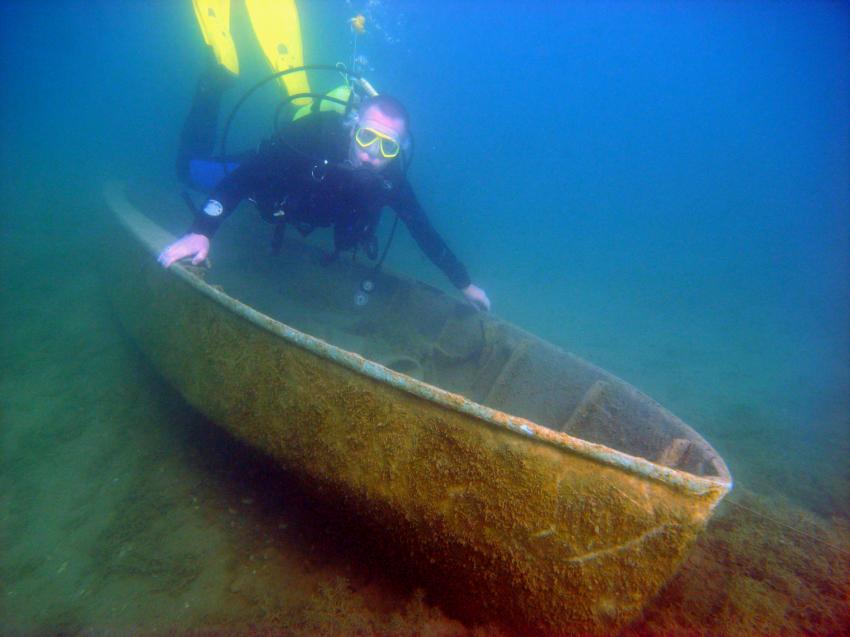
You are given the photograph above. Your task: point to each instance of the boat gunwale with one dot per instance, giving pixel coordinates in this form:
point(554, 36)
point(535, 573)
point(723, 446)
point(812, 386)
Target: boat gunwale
point(699, 485)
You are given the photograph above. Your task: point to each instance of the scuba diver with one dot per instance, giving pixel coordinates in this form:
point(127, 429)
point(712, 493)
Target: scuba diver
point(326, 169)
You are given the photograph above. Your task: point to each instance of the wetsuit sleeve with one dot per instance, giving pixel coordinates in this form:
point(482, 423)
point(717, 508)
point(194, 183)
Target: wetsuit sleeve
point(250, 176)
point(411, 212)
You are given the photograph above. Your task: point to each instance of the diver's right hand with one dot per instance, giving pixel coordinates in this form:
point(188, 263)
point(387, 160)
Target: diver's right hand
point(192, 245)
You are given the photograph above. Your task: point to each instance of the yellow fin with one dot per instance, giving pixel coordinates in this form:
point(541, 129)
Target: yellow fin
point(214, 19)
point(278, 29)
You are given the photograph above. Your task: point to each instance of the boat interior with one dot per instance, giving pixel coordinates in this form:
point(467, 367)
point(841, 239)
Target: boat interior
point(439, 339)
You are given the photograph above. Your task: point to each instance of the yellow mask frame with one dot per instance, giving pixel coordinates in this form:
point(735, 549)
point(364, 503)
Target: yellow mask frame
point(366, 136)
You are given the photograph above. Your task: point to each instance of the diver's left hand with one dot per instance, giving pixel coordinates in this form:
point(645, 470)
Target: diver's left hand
point(476, 296)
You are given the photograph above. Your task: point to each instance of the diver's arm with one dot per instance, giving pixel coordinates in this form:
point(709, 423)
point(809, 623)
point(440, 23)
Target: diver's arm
point(431, 243)
point(235, 187)
point(245, 179)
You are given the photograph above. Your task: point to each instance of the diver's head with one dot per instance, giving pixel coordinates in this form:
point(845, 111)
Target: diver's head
point(380, 132)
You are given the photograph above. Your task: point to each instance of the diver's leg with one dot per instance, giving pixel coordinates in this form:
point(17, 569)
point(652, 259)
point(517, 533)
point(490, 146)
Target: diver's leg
point(198, 137)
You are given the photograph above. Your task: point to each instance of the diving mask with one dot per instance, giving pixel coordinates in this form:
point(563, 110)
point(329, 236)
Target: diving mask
point(366, 137)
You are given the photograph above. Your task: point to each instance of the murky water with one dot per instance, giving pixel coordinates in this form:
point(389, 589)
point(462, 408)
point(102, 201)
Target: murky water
point(125, 512)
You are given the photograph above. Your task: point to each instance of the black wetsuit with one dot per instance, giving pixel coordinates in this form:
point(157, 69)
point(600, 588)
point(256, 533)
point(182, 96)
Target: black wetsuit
point(306, 181)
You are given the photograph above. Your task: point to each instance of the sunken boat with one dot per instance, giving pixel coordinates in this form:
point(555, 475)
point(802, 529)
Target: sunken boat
point(536, 489)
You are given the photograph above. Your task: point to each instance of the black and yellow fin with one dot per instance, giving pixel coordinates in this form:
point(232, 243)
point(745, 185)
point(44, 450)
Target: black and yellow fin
point(214, 19)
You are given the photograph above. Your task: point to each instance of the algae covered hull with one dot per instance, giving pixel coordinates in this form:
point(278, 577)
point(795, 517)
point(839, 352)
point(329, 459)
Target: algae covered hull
point(532, 488)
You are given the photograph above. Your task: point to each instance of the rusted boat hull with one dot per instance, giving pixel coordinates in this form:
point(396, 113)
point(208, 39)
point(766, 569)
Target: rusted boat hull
point(530, 527)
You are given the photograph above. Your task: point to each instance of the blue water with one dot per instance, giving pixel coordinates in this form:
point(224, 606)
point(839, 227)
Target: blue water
point(662, 188)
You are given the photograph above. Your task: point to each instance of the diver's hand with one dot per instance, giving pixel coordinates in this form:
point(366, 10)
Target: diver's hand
point(476, 296)
point(192, 245)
